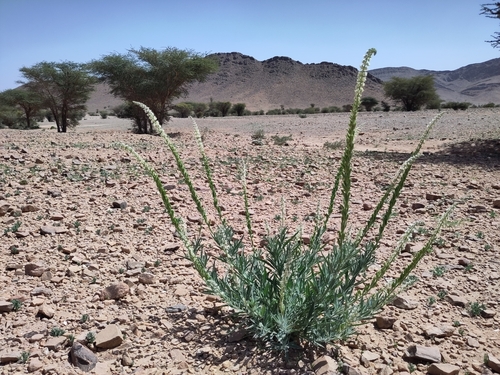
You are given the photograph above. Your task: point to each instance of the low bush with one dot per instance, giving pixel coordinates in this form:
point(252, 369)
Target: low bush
point(289, 293)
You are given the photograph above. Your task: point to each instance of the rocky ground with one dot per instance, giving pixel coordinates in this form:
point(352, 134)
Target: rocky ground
point(87, 254)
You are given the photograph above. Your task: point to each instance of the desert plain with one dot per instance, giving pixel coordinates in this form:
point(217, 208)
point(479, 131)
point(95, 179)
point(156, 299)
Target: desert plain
point(78, 215)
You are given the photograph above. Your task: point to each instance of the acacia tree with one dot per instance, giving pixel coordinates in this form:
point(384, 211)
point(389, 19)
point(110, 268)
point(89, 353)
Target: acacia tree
point(152, 77)
point(369, 102)
point(28, 101)
point(64, 87)
point(413, 92)
point(492, 11)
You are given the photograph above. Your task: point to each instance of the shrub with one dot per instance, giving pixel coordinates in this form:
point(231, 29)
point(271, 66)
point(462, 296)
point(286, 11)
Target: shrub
point(281, 141)
point(239, 109)
point(104, 114)
point(289, 292)
point(456, 105)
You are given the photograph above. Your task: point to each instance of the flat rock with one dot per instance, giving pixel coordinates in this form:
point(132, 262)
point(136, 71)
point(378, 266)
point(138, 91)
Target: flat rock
point(6, 306)
point(46, 311)
point(9, 356)
point(115, 291)
point(82, 357)
point(456, 300)
point(424, 353)
point(55, 343)
point(325, 365)
point(404, 303)
point(34, 365)
point(146, 278)
point(34, 269)
point(443, 369)
point(493, 363)
point(110, 337)
point(385, 322)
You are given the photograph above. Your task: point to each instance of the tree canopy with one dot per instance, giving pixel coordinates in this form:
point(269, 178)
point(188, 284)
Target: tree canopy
point(412, 93)
point(492, 11)
point(28, 103)
point(64, 87)
point(152, 77)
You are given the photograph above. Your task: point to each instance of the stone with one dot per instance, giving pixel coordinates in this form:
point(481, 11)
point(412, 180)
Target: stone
point(109, 338)
point(29, 208)
point(82, 357)
point(456, 300)
point(34, 269)
point(493, 363)
point(126, 360)
point(9, 356)
point(6, 306)
point(424, 353)
point(115, 291)
point(122, 205)
point(367, 357)
point(472, 342)
point(46, 311)
point(404, 303)
point(496, 203)
point(181, 291)
point(56, 343)
point(34, 365)
point(176, 355)
point(417, 206)
point(146, 278)
point(325, 365)
point(384, 322)
point(440, 332)
point(443, 369)
point(237, 335)
point(367, 206)
point(48, 230)
point(41, 290)
point(488, 313)
point(4, 207)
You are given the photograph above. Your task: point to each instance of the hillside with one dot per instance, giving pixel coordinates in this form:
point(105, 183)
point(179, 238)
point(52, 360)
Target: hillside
point(283, 81)
point(474, 83)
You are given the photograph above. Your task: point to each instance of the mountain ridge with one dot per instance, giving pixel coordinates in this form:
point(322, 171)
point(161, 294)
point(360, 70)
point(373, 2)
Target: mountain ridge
point(282, 81)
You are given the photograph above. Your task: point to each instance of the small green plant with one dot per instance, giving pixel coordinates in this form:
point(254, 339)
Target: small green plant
point(456, 323)
point(71, 339)
point(412, 368)
point(442, 294)
point(461, 331)
point(469, 267)
point(337, 145)
point(121, 270)
point(84, 318)
point(475, 308)
point(438, 271)
point(480, 234)
point(94, 280)
point(56, 332)
point(493, 214)
point(487, 247)
point(289, 293)
point(24, 357)
point(486, 358)
point(258, 135)
point(431, 301)
point(146, 208)
point(16, 304)
point(14, 228)
point(281, 141)
point(90, 337)
point(14, 250)
point(157, 263)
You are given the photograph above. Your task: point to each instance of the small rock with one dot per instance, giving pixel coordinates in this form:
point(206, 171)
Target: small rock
point(443, 369)
point(488, 313)
point(126, 360)
point(122, 205)
point(417, 206)
point(433, 197)
point(177, 356)
point(46, 311)
point(384, 322)
point(493, 363)
point(367, 357)
point(325, 365)
point(29, 208)
point(237, 335)
point(110, 337)
point(456, 300)
point(34, 365)
point(55, 343)
point(115, 291)
point(33, 269)
point(147, 278)
point(6, 306)
point(9, 356)
point(181, 291)
point(41, 291)
point(54, 193)
point(424, 353)
point(472, 342)
point(82, 357)
point(47, 230)
point(404, 303)
point(175, 309)
point(367, 206)
point(496, 203)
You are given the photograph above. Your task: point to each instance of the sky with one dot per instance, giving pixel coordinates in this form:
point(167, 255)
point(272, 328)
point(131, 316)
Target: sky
point(424, 34)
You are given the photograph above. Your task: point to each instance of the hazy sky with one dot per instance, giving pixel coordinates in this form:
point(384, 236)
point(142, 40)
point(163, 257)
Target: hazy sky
point(424, 34)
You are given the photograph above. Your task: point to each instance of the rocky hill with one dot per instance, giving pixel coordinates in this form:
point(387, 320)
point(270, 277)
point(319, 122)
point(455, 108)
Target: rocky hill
point(474, 83)
point(283, 81)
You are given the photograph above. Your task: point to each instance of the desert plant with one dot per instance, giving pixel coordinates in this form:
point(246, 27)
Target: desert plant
point(16, 304)
point(289, 293)
point(104, 114)
point(90, 337)
point(475, 308)
point(239, 109)
point(281, 140)
point(24, 357)
point(56, 332)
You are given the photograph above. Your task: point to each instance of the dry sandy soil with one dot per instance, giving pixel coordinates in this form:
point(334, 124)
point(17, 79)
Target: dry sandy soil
point(77, 215)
